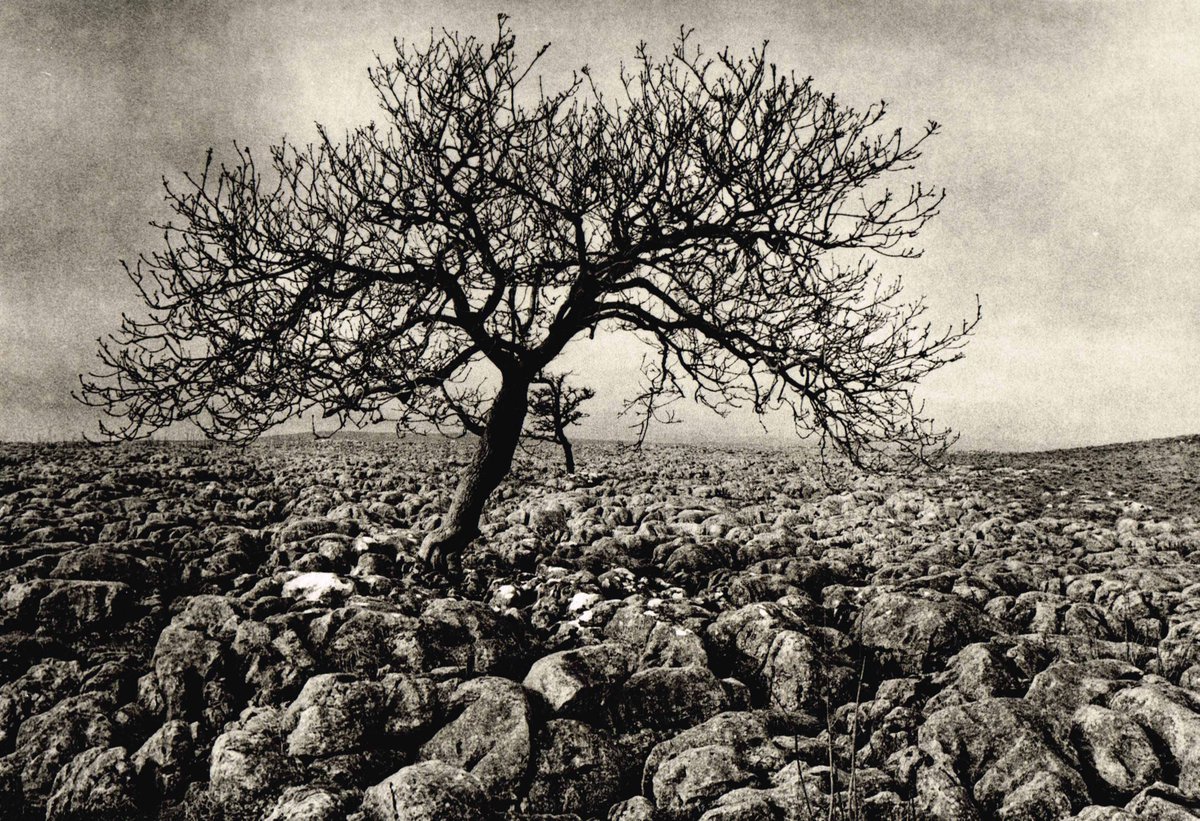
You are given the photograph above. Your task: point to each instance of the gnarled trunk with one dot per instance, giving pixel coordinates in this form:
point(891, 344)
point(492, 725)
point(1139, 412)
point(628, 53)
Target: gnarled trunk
point(568, 451)
point(493, 459)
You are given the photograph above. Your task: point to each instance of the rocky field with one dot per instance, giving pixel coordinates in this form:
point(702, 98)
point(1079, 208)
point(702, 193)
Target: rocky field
point(198, 632)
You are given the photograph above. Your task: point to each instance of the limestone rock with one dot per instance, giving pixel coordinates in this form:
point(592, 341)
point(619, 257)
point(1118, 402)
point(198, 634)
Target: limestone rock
point(489, 735)
point(576, 770)
point(428, 791)
point(1114, 749)
point(666, 697)
point(915, 632)
point(98, 783)
point(1172, 715)
point(579, 682)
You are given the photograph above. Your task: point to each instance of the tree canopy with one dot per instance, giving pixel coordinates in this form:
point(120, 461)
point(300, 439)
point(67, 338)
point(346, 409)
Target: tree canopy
point(421, 266)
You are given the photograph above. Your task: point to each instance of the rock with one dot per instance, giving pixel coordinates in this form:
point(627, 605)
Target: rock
point(337, 713)
point(579, 682)
point(47, 742)
point(671, 697)
point(652, 641)
point(41, 686)
point(98, 783)
point(672, 645)
point(299, 530)
point(940, 793)
point(192, 660)
point(749, 734)
point(1000, 747)
point(798, 676)
point(638, 808)
point(67, 606)
point(318, 588)
point(306, 804)
point(334, 713)
point(248, 766)
point(276, 661)
point(1162, 802)
point(190, 669)
point(105, 563)
point(749, 804)
point(976, 672)
point(1064, 686)
point(166, 756)
point(1098, 813)
point(471, 635)
point(576, 770)
point(1172, 716)
point(916, 632)
point(489, 735)
point(365, 639)
point(1041, 796)
point(410, 706)
point(428, 791)
point(784, 667)
point(685, 784)
point(19, 650)
point(1114, 749)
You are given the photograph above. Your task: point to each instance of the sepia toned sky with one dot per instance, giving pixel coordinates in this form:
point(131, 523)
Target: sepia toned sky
point(1070, 153)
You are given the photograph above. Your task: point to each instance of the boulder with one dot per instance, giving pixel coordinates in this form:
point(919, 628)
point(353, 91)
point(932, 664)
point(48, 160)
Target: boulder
point(638, 808)
point(334, 713)
point(365, 638)
point(248, 766)
point(48, 741)
point(1171, 715)
point(1163, 802)
point(652, 641)
point(577, 770)
point(670, 697)
point(470, 635)
point(489, 735)
point(428, 791)
point(190, 670)
point(276, 660)
point(338, 713)
point(38, 689)
point(98, 783)
point(1001, 751)
point(748, 734)
point(67, 606)
point(1065, 686)
point(306, 804)
point(105, 563)
point(976, 672)
point(193, 659)
point(318, 588)
point(686, 783)
point(915, 632)
point(579, 682)
point(768, 649)
point(166, 756)
point(1114, 750)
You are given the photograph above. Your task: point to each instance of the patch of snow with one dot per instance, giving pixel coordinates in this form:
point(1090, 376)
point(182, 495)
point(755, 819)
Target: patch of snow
point(316, 585)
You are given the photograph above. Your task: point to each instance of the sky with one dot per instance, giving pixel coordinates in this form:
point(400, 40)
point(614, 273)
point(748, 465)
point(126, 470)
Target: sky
point(1070, 153)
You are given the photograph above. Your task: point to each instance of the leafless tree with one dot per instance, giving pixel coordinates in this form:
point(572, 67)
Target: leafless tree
point(428, 267)
point(554, 407)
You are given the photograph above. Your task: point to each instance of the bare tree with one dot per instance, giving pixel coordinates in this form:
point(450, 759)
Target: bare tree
point(426, 268)
point(554, 407)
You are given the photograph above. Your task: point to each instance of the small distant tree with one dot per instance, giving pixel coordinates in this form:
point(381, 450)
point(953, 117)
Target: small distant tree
point(429, 266)
point(554, 407)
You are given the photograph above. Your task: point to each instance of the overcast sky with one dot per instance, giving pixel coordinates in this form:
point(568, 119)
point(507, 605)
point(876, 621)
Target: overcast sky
point(1070, 152)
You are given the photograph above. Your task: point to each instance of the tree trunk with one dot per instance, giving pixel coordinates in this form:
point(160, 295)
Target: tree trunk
point(492, 461)
point(568, 452)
